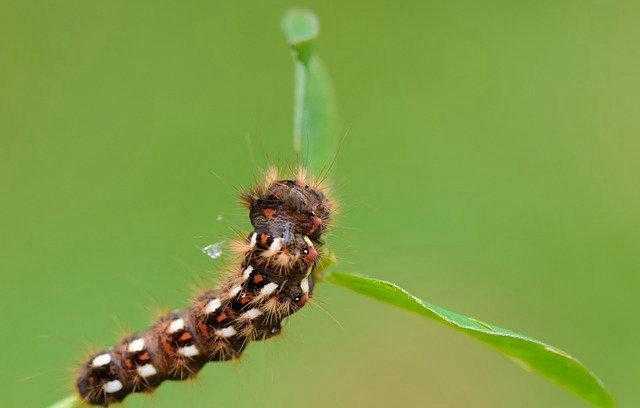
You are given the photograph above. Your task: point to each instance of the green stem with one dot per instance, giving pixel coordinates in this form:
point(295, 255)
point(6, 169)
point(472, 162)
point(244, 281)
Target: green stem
point(314, 112)
point(68, 402)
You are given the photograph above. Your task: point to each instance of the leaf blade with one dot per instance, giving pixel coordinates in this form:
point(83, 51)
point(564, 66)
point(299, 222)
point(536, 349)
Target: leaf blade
point(315, 114)
point(551, 362)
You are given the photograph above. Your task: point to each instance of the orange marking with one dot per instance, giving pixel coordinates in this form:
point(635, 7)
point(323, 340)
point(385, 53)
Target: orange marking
point(245, 298)
point(166, 346)
point(144, 357)
point(128, 363)
point(316, 222)
point(269, 213)
point(303, 300)
point(312, 255)
point(202, 328)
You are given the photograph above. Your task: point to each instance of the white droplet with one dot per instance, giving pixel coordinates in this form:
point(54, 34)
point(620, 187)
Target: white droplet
point(213, 251)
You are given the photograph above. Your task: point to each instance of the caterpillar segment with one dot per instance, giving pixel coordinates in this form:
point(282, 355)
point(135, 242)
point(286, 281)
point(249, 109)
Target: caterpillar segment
point(273, 279)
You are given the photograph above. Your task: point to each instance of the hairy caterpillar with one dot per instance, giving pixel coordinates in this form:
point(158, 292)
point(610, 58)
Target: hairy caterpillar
point(272, 278)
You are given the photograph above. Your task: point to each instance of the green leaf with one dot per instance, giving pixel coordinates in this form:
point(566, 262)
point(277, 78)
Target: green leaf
point(551, 362)
point(314, 112)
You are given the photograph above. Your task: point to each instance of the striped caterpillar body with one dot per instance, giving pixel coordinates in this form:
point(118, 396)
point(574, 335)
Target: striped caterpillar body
point(272, 279)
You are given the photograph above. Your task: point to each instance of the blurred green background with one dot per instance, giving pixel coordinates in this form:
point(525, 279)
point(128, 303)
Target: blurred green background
point(492, 168)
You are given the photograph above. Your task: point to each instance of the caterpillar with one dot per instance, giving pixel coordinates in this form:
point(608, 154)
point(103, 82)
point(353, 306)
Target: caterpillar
point(272, 278)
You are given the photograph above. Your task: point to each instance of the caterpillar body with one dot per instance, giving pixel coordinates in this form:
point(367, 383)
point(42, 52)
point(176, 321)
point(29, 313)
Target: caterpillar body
point(272, 279)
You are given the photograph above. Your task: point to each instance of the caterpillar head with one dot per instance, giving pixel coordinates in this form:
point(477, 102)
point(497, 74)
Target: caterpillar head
point(284, 207)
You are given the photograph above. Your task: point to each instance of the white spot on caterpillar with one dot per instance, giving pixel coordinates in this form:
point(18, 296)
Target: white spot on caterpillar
point(136, 345)
point(189, 351)
point(235, 290)
point(308, 241)
point(212, 306)
point(251, 314)
point(247, 273)
point(254, 238)
point(112, 386)
point(276, 245)
point(175, 325)
point(304, 285)
point(226, 332)
point(101, 360)
point(268, 289)
point(146, 370)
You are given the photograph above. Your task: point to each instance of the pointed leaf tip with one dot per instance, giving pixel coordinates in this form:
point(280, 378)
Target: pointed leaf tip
point(531, 354)
point(300, 26)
